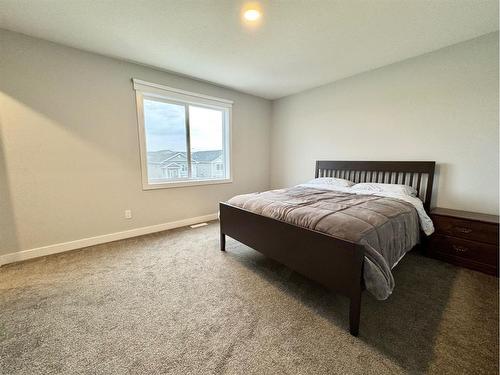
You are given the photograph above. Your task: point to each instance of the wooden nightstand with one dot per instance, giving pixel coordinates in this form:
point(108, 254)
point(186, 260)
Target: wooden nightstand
point(465, 239)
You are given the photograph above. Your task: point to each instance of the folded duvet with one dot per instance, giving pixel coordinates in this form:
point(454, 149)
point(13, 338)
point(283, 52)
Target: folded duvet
point(387, 227)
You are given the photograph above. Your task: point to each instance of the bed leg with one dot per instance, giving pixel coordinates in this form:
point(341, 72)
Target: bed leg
point(357, 289)
point(354, 313)
point(222, 241)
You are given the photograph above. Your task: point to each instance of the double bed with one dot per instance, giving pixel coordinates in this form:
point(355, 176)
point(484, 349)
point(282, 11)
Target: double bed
point(346, 237)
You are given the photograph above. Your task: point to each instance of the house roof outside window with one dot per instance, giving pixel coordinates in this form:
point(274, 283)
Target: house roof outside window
point(197, 156)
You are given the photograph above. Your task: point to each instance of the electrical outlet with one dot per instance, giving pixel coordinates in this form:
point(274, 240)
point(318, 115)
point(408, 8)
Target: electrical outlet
point(128, 214)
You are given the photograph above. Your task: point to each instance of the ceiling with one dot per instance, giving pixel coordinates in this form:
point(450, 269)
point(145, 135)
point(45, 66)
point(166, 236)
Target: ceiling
point(297, 46)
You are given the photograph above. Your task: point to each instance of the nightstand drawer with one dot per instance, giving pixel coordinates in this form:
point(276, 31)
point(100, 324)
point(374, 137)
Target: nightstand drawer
point(467, 229)
point(464, 249)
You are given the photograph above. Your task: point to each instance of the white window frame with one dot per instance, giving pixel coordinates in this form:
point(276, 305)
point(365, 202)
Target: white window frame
point(154, 91)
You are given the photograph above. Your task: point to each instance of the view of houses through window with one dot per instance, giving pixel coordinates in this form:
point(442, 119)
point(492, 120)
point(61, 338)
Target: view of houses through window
point(183, 141)
point(168, 164)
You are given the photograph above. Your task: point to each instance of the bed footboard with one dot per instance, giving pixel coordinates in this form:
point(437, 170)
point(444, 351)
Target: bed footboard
point(332, 262)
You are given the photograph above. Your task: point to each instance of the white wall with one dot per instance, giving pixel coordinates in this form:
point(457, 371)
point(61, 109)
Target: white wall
point(441, 106)
point(69, 154)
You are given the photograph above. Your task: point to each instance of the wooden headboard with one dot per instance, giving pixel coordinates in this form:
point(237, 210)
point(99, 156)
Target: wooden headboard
point(418, 174)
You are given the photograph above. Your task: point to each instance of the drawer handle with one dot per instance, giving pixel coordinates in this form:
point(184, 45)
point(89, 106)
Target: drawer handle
point(460, 249)
point(463, 230)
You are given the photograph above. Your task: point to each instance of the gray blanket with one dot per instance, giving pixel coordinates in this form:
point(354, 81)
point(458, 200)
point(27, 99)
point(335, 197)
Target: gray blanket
point(386, 227)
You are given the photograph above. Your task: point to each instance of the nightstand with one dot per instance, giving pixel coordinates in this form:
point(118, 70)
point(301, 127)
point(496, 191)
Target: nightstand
point(466, 239)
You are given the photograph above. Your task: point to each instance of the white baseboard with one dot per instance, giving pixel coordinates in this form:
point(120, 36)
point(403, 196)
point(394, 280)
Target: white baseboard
point(90, 241)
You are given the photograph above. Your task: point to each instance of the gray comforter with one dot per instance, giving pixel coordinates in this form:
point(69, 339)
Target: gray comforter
point(386, 227)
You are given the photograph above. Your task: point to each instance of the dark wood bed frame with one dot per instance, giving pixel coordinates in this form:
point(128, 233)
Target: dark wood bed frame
point(332, 262)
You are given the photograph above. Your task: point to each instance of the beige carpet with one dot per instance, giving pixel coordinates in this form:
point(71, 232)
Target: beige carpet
point(172, 303)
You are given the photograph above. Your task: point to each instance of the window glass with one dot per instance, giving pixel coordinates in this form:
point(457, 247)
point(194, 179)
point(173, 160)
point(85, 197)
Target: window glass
point(206, 136)
point(165, 128)
point(184, 137)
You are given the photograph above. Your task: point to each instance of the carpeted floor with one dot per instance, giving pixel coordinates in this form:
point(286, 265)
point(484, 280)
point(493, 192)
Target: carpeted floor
point(172, 303)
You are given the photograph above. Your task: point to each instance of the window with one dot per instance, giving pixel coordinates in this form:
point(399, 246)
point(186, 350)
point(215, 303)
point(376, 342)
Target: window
point(184, 137)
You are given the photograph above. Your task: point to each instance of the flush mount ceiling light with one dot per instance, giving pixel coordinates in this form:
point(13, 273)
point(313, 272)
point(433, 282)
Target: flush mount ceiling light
point(251, 15)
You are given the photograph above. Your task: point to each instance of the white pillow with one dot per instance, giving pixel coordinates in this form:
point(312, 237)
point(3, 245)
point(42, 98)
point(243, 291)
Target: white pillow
point(332, 181)
point(386, 188)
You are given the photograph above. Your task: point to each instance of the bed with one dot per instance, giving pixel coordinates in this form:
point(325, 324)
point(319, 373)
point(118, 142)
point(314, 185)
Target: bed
point(342, 263)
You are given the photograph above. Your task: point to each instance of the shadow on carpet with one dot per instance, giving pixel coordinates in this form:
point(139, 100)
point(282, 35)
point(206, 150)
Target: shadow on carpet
point(403, 327)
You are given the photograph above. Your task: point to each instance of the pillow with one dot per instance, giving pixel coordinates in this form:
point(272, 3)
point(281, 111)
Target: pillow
point(386, 188)
point(340, 182)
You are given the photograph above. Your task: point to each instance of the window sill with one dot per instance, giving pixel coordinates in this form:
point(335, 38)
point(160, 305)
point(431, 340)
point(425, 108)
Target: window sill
point(176, 184)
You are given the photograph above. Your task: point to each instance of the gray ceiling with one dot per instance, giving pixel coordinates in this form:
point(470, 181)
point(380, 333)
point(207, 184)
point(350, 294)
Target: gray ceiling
point(297, 46)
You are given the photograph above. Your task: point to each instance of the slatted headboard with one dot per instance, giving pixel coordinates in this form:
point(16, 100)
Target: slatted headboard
point(418, 174)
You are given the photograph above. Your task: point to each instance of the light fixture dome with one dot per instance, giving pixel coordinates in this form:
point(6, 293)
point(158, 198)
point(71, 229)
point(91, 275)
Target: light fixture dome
point(251, 15)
